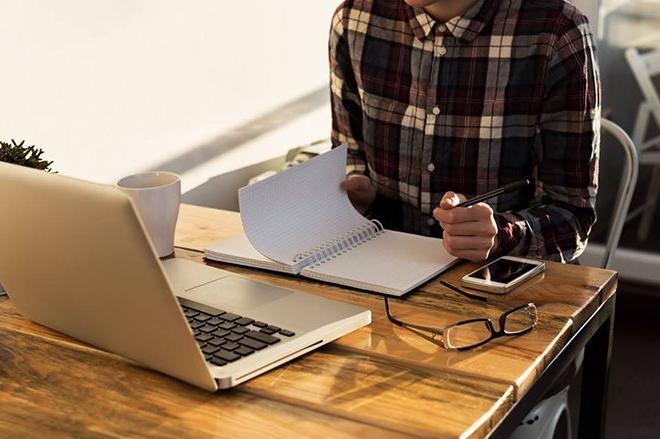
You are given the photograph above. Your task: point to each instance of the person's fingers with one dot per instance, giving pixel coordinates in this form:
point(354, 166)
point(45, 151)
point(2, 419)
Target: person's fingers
point(472, 255)
point(356, 183)
point(360, 191)
point(478, 212)
point(455, 215)
point(451, 199)
point(471, 228)
point(467, 242)
point(482, 210)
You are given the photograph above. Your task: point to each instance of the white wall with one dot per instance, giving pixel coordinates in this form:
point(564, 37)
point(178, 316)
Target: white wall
point(590, 8)
point(110, 87)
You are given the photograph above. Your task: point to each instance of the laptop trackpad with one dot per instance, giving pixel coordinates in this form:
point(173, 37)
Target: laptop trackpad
point(236, 293)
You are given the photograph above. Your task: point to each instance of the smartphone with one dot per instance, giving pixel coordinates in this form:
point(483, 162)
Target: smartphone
point(503, 274)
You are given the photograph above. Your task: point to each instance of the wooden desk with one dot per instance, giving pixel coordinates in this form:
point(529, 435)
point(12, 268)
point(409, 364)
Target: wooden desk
point(379, 381)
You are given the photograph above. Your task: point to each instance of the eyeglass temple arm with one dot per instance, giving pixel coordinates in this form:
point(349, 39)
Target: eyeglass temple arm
point(464, 293)
point(391, 318)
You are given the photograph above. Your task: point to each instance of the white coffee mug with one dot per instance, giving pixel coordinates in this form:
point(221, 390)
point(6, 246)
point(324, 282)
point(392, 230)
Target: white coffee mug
point(156, 196)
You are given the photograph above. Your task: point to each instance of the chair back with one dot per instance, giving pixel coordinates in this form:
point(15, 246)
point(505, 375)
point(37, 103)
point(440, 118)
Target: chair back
point(645, 67)
point(626, 188)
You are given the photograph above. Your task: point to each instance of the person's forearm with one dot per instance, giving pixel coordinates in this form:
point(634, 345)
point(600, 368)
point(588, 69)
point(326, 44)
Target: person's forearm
point(550, 231)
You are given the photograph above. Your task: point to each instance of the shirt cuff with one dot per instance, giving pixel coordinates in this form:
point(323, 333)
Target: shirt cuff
point(510, 234)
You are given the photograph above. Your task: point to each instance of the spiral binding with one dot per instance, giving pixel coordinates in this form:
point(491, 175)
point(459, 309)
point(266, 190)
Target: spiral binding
point(336, 246)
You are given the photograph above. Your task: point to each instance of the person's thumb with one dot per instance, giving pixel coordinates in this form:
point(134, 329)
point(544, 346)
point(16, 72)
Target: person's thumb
point(449, 200)
point(355, 183)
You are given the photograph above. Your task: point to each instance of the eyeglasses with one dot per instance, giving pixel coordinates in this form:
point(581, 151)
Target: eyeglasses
point(469, 334)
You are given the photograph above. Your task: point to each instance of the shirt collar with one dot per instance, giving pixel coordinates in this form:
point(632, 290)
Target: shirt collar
point(465, 27)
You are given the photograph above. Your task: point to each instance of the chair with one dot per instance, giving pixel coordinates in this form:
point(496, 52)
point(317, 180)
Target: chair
point(626, 188)
point(645, 67)
point(552, 414)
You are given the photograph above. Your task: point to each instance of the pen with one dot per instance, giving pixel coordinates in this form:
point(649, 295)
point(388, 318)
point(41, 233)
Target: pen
point(511, 187)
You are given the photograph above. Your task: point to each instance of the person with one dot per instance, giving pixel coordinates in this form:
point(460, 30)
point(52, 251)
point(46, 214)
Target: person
point(442, 100)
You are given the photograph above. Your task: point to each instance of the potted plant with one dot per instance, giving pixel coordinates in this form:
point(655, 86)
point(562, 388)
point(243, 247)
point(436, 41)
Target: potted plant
point(29, 156)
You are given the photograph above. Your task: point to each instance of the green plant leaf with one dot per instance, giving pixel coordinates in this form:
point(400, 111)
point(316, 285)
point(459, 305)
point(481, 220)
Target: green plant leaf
point(29, 156)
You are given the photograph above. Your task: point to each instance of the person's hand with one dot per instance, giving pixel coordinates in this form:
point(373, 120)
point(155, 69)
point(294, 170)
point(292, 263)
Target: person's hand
point(469, 232)
point(360, 191)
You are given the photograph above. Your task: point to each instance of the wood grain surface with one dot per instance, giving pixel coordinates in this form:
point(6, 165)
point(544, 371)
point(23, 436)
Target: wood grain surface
point(379, 381)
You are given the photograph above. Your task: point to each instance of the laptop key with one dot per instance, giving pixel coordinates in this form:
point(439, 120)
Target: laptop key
point(273, 328)
point(207, 328)
point(226, 325)
point(230, 346)
point(214, 321)
point(287, 332)
point(215, 341)
point(218, 361)
point(264, 338)
point(243, 351)
point(208, 357)
point(196, 325)
point(260, 324)
point(229, 317)
point(267, 331)
point(220, 332)
point(202, 317)
point(204, 337)
point(253, 344)
point(189, 304)
point(240, 330)
point(226, 355)
point(210, 349)
point(233, 337)
point(190, 313)
point(244, 321)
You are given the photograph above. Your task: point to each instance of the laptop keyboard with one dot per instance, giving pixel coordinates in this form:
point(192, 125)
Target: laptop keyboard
point(225, 337)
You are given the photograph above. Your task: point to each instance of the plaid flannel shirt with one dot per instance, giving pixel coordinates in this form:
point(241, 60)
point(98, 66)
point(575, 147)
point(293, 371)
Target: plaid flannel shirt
point(507, 91)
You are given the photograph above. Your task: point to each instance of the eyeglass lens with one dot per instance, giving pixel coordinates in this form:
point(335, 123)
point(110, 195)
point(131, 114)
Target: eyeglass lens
point(472, 333)
point(465, 335)
point(520, 320)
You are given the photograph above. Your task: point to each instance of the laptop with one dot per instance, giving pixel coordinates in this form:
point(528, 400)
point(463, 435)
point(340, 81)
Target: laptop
point(74, 257)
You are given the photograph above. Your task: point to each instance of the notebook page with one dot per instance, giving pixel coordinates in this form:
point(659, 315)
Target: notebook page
point(391, 263)
point(300, 208)
point(238, 250)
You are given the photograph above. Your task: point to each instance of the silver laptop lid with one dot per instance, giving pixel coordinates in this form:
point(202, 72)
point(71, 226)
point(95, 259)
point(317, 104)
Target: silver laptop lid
point(74, 257)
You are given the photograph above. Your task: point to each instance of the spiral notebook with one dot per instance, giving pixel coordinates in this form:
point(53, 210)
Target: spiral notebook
point(301, 222)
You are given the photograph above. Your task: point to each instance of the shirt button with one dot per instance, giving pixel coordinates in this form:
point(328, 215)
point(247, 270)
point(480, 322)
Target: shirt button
point(436, 110)
point(431, 167)
point(430, 222)
point(442, 28)
point(440, 51)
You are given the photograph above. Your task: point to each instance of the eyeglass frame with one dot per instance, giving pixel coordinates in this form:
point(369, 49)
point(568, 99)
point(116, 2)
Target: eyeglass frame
point(494, 334)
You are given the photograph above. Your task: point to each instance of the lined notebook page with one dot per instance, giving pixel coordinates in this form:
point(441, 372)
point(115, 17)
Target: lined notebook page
point(392, 263)
point(238, 250)
point(299, 209)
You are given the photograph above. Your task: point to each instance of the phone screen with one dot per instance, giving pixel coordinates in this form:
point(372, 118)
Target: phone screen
point(503, 271)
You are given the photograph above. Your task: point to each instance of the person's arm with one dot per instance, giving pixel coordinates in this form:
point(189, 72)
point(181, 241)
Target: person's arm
point(347, 115)
point(344, 97)
point(558, 226)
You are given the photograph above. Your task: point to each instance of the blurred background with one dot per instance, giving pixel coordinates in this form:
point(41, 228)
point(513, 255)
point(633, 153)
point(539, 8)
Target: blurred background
point(203, 88)
point(220, 91)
